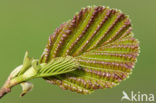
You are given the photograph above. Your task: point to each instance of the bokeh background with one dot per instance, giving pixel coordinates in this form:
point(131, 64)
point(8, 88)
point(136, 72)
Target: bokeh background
point(26, 25)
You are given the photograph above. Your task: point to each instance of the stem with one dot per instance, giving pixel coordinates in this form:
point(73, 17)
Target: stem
point(20, 74)
point(11, 82)
point(8, 85)
point(5, 89)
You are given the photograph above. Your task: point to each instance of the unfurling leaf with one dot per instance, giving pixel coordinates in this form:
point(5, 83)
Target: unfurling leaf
point(59, 65)
point(94, 50)
point(100, 39)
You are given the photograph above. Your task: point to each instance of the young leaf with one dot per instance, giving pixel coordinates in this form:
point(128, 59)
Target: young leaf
point(59, 65)
point(94, 50)
point(100, 39)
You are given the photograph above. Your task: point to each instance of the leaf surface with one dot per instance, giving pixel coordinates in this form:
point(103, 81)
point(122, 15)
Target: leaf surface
point(59, 65)
point(101, 41)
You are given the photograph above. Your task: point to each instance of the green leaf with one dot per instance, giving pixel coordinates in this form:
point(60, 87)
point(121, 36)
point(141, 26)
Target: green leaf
point(94, 50)
point(59, 65)
point(101, 41)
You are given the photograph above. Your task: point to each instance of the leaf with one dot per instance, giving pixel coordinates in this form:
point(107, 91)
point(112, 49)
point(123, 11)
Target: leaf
point(100, 39)
point(59, 65)
point(94, 50)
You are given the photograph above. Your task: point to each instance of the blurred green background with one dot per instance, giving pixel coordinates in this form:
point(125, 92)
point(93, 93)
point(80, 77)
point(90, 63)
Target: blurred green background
point(26, 25)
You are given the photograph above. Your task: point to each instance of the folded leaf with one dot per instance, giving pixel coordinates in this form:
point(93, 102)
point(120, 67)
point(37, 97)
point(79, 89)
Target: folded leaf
point(101, 41)
point(59, 65)
point(94, 50)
